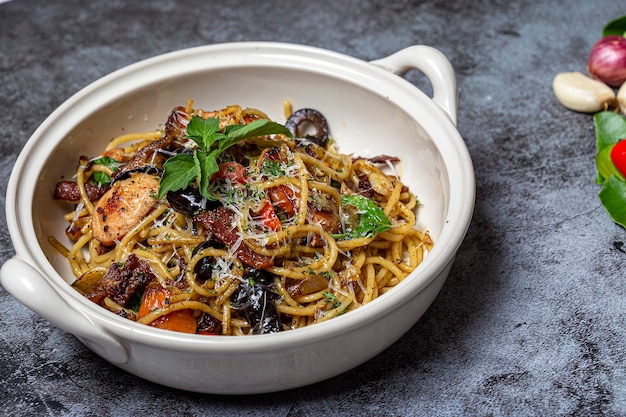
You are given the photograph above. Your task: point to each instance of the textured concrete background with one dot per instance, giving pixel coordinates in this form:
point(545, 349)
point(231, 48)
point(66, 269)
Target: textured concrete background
point(531, 320)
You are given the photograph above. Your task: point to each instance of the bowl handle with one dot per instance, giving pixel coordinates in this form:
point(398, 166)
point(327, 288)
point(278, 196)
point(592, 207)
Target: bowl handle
point(435, 66)
point(30, 288)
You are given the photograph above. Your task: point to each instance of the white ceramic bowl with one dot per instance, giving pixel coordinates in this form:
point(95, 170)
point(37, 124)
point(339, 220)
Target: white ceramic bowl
point(371, 109)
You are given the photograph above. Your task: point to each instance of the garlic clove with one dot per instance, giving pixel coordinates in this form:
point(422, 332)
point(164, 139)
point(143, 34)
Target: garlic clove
point(578, 92)
point(621, 98)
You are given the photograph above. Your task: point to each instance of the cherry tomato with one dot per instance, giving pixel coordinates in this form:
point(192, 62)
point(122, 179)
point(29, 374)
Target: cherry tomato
point(269, 218)
point(618, 156)
point(232, 171)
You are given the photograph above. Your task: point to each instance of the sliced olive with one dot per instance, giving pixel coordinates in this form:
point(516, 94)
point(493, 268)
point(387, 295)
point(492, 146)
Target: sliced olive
point(301, 117)
point(204, 269)
point(254, 300)
point(189, 201)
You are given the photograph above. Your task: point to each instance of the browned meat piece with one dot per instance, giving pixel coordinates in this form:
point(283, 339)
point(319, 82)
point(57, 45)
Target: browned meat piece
point(232, 171)
point(364, 187)
point(310, 148)
point(324, 212)
point(175, 128)
point(275, 154)
point(219, 224)
point(122, 280)
point(209, 325)
point(73, 232)
point(68, 191)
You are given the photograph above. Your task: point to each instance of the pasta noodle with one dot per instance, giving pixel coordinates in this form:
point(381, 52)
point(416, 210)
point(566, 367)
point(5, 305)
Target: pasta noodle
point(295, 233)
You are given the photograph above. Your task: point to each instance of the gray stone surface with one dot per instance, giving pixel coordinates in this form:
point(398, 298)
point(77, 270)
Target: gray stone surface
point(532, 318)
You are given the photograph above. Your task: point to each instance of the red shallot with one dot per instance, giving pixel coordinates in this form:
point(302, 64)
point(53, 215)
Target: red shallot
point(607, 60)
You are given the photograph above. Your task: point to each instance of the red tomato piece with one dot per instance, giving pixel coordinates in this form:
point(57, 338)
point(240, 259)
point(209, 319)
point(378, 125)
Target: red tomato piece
point(618, 156)
point(269, 217)
point(284, 198)
point(233, 171)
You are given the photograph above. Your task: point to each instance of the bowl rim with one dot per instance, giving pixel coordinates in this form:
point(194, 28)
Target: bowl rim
point(449, 141)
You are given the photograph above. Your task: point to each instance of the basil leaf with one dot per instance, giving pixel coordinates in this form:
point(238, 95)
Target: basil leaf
point(616, 26)
point(204, 132)
point(207, 164)
point(178, 172)
point(610, 128)
point(605, 165)
point(261, 127)
point(372, 218)
point(108, 162)
point(100, 179)
point(613, 198)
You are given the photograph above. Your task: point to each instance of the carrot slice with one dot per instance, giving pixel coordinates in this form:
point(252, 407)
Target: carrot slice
point(156, 297)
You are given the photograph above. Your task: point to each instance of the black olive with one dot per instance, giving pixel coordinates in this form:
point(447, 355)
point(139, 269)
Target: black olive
point(209, 243)
point(204, 269)
point(254, 300)
point(259, 275)
point(189, 201)
point(312, 116)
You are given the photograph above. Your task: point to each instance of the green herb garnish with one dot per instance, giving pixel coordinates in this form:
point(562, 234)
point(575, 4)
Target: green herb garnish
point(331, 298)
point(100, 178)
point(273, 168)
point(181, 169)
point(371, 218)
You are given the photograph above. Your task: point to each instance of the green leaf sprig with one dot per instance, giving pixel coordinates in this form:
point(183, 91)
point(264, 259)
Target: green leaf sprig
point(371, 218)
point(610, 128)
point(181, 169)
point(100, 178)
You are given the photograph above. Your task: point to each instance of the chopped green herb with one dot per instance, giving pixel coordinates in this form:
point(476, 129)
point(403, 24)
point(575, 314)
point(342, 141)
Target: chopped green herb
point(331, 298)
point(273, 168)
point(108, 162)
point(100, 178)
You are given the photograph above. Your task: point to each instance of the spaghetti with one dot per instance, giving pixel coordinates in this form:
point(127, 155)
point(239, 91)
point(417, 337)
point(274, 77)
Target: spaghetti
point(294, 232)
